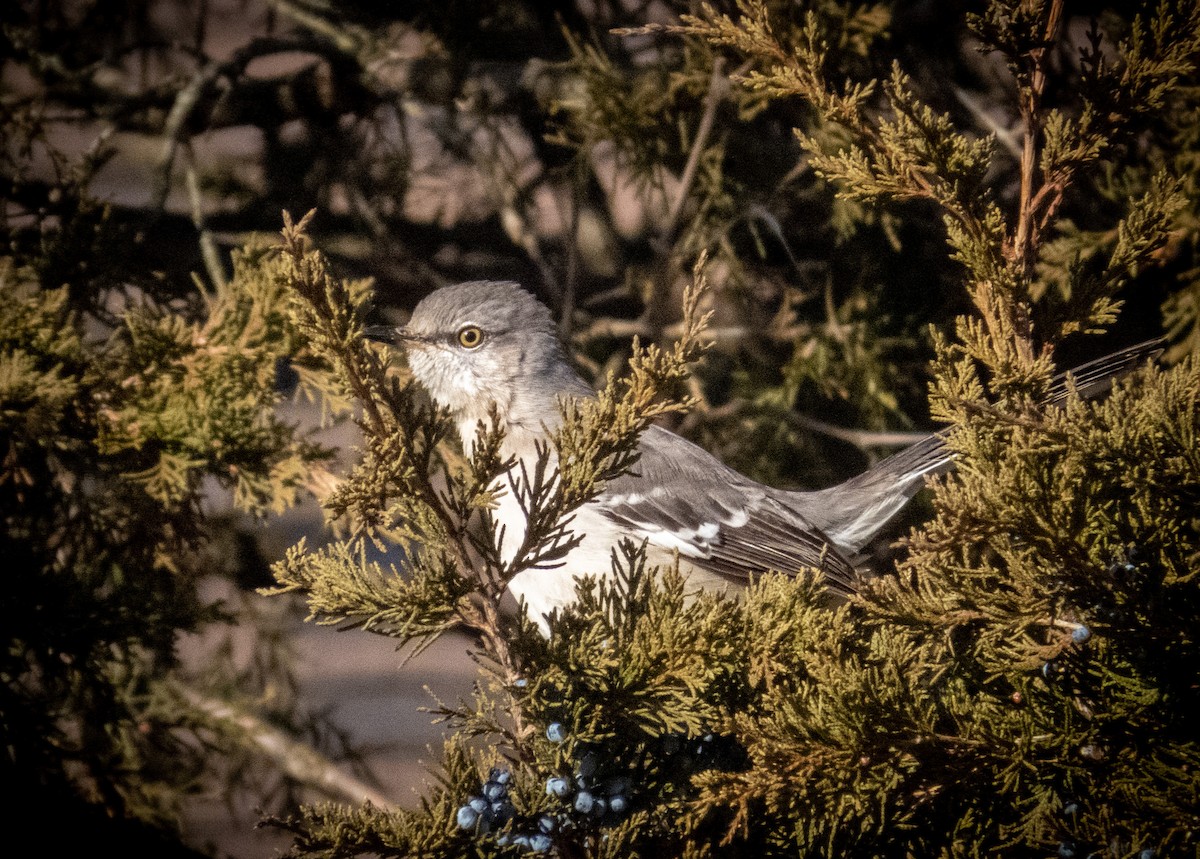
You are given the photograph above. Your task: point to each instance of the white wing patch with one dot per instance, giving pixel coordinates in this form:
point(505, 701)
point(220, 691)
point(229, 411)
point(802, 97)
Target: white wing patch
point(697, 542)
point(692, 544)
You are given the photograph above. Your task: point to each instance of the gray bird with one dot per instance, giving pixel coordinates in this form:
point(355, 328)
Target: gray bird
point(484, 344)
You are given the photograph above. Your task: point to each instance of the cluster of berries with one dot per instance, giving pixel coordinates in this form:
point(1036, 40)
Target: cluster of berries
point(492, 809)
point(589, 797)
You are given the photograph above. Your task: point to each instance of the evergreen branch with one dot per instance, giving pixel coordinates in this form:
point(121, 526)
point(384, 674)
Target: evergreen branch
point(341, 585)
point(332, 320)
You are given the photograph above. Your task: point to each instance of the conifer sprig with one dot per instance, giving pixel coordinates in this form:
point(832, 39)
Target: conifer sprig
point(901, 149)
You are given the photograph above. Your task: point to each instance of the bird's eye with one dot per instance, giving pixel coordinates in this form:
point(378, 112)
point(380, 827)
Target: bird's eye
point(470, 336)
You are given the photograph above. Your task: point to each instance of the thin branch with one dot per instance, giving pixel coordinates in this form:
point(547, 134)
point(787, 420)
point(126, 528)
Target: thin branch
point(862, 439)
point(1025, 241)
point(299, 760)
point(718, 86)
point(1006, 136)
point(208, 246)
point(173, 130)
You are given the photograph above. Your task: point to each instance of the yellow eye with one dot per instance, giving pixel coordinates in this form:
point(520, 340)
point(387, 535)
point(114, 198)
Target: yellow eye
point(470, 336)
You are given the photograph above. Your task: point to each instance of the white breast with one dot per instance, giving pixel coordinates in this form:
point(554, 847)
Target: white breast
point(544, 589)
point(547, 588)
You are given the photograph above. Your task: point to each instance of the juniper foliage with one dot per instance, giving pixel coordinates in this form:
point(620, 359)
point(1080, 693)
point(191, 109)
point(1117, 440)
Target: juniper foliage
point(127, 412)
point(1005, 692)
point(1023, 683)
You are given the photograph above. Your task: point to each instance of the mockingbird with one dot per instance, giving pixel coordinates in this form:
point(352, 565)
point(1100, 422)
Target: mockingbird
point(485, 344)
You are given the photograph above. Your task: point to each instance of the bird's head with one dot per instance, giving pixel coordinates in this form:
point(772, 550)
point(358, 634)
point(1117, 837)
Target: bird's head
point(484, 343)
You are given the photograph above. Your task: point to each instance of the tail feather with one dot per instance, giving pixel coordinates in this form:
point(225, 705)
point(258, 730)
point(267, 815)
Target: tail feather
point(1097, 377)
point(851, 513)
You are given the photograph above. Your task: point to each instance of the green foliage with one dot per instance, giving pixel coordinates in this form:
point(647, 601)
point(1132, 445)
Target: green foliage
point(1022, 684)
point(125, 414)
point(867, 198)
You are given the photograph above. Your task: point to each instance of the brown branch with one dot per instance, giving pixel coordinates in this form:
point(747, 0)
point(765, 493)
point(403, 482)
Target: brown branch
point(718, 86)
point(208, 246)
point(1035, 204)
point(1025, 242)
point(299, 760)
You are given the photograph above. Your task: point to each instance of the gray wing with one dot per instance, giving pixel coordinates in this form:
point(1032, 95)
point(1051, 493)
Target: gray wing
point(680, 497)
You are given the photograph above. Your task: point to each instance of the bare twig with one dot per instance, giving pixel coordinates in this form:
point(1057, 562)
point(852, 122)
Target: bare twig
point(173, 130)
point(1006, 136)
point(862, 439)
point(186, 101)
point(718, 86)
point(299, 760)
point(609, 327)
point(208, 245)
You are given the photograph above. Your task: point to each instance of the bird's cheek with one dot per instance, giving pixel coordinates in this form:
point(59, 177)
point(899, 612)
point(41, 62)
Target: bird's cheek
point(425, 371)
point(440, 379)
point(470, 388)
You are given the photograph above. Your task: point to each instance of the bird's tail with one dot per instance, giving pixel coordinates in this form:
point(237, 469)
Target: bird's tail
point(851, 513)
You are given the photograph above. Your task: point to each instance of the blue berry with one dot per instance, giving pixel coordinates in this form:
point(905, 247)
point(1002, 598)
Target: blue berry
point(493, 790)
point(467, 817)
point(618, 804)
point(478, 803)
point(1066, 849)
point(501, 812)
point(599, 807)
point(584, 802)
point(1071, 809)
point(557, 786)
point(555, 732)
point(547, 824)
point(587, 765)
point(540, 843)
point(1148, 853)
point(520, 682)
point(500, 776)
point(521, 840)
point(1081, 634)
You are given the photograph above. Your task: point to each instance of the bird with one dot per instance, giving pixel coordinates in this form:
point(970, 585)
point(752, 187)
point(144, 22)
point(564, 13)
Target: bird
point(491, 347)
